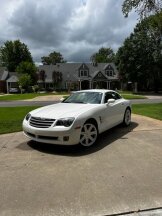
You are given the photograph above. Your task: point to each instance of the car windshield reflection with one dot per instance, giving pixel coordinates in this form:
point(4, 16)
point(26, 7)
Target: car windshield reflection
point(84, 98)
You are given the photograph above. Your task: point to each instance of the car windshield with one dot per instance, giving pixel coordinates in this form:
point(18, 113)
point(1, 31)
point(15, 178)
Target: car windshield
point(84, 97)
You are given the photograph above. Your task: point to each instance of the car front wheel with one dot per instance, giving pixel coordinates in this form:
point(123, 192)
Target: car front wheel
point(89, 134)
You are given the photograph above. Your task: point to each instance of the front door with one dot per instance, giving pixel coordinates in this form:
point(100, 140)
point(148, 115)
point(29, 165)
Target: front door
point(84, 84)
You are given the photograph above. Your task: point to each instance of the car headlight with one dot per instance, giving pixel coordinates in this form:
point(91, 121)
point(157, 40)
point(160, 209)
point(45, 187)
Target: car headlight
point(66, 122)
point(27, 116)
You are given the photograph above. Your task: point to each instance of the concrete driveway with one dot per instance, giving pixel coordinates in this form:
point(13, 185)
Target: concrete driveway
point(121, 174)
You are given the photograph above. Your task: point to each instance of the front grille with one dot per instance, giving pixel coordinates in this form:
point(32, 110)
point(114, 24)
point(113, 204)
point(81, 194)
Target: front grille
point(41, 122)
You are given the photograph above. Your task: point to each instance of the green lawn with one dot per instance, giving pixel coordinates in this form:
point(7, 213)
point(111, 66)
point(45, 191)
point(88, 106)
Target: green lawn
point(129, 95)
point(132, 96)
point(11, 118)
point(27, 96)
point(150, 110)
point(21, 96)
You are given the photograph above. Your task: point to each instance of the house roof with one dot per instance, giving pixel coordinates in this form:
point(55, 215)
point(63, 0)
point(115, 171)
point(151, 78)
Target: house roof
point(13, 78)
point(70, 70)
point(2, 69)
point(4, 75)
point(99, 73)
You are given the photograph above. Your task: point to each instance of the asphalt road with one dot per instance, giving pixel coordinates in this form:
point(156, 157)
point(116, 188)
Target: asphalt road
point(44, 103)
point(120, 175)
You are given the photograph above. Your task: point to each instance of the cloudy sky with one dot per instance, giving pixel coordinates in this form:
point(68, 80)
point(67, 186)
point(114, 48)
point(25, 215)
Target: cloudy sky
point(76, 28)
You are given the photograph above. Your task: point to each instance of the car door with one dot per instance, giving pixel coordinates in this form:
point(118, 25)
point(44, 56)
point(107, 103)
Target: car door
point(112, 112)
point(120, 106)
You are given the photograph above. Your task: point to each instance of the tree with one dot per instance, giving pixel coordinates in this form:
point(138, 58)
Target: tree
point(104, 55)
point(29, 69)
point(53, 58)
point(12, 53)
point(24, 81)
point(143, 7)
point(139, 59)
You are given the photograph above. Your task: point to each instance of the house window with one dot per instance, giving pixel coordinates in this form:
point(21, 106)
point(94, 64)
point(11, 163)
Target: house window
point(109, 72)
point(83, 73)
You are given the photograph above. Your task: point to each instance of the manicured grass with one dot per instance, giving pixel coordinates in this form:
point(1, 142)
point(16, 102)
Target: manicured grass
point(26, 96)
point(130, 95)
point(20, 96)
point(150, 110)
point(124, 92)
point(133, 96)
point(11, 118)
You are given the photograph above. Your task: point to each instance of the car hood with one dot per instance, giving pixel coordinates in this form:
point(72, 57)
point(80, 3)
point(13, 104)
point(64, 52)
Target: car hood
point(62, 110)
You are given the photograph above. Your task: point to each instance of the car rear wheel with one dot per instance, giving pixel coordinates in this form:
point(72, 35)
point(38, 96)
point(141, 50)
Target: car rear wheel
point(89, 134)
point(127, 117)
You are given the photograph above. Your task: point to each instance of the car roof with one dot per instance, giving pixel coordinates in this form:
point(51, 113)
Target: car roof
point(96, 90)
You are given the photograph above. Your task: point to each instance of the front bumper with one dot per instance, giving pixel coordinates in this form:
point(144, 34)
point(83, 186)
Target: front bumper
point(52, 135)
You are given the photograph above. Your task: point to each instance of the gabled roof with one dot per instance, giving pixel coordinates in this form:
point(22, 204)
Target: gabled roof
point(109, 66)
point(13, 78)
point(99, 75)
point(83, 67)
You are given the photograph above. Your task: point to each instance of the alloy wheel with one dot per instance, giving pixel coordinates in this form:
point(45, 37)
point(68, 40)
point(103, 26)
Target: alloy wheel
point(88, 134)
point(127, 117)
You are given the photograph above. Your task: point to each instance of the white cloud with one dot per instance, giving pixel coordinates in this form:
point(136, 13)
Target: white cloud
point(76, 28)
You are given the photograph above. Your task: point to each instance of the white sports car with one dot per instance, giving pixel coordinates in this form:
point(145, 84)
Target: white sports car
point(80, 118)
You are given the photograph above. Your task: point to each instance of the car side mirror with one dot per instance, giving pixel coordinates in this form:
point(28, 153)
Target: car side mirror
point(110, 101)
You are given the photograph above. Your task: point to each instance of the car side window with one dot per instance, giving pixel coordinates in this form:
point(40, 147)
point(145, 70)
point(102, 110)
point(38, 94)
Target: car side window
point(116, 96)
point(108, 96)
point(111, 95)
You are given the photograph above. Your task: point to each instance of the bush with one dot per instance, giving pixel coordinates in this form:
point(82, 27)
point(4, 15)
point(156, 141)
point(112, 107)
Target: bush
point(35, 88)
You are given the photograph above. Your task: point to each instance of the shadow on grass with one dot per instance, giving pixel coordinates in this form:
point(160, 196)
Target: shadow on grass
point(104, 139)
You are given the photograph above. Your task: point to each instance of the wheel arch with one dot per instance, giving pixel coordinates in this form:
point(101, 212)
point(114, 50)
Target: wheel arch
point(129, 108)
point(92, 120)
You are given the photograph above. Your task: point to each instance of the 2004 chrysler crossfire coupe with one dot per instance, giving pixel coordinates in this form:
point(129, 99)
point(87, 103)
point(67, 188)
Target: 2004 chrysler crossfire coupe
point(80, 118)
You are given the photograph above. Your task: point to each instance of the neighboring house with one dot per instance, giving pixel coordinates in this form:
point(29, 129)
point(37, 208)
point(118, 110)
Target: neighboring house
point(12, 81)
point(7, 80)
point(77, 76)
point(69, 76)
